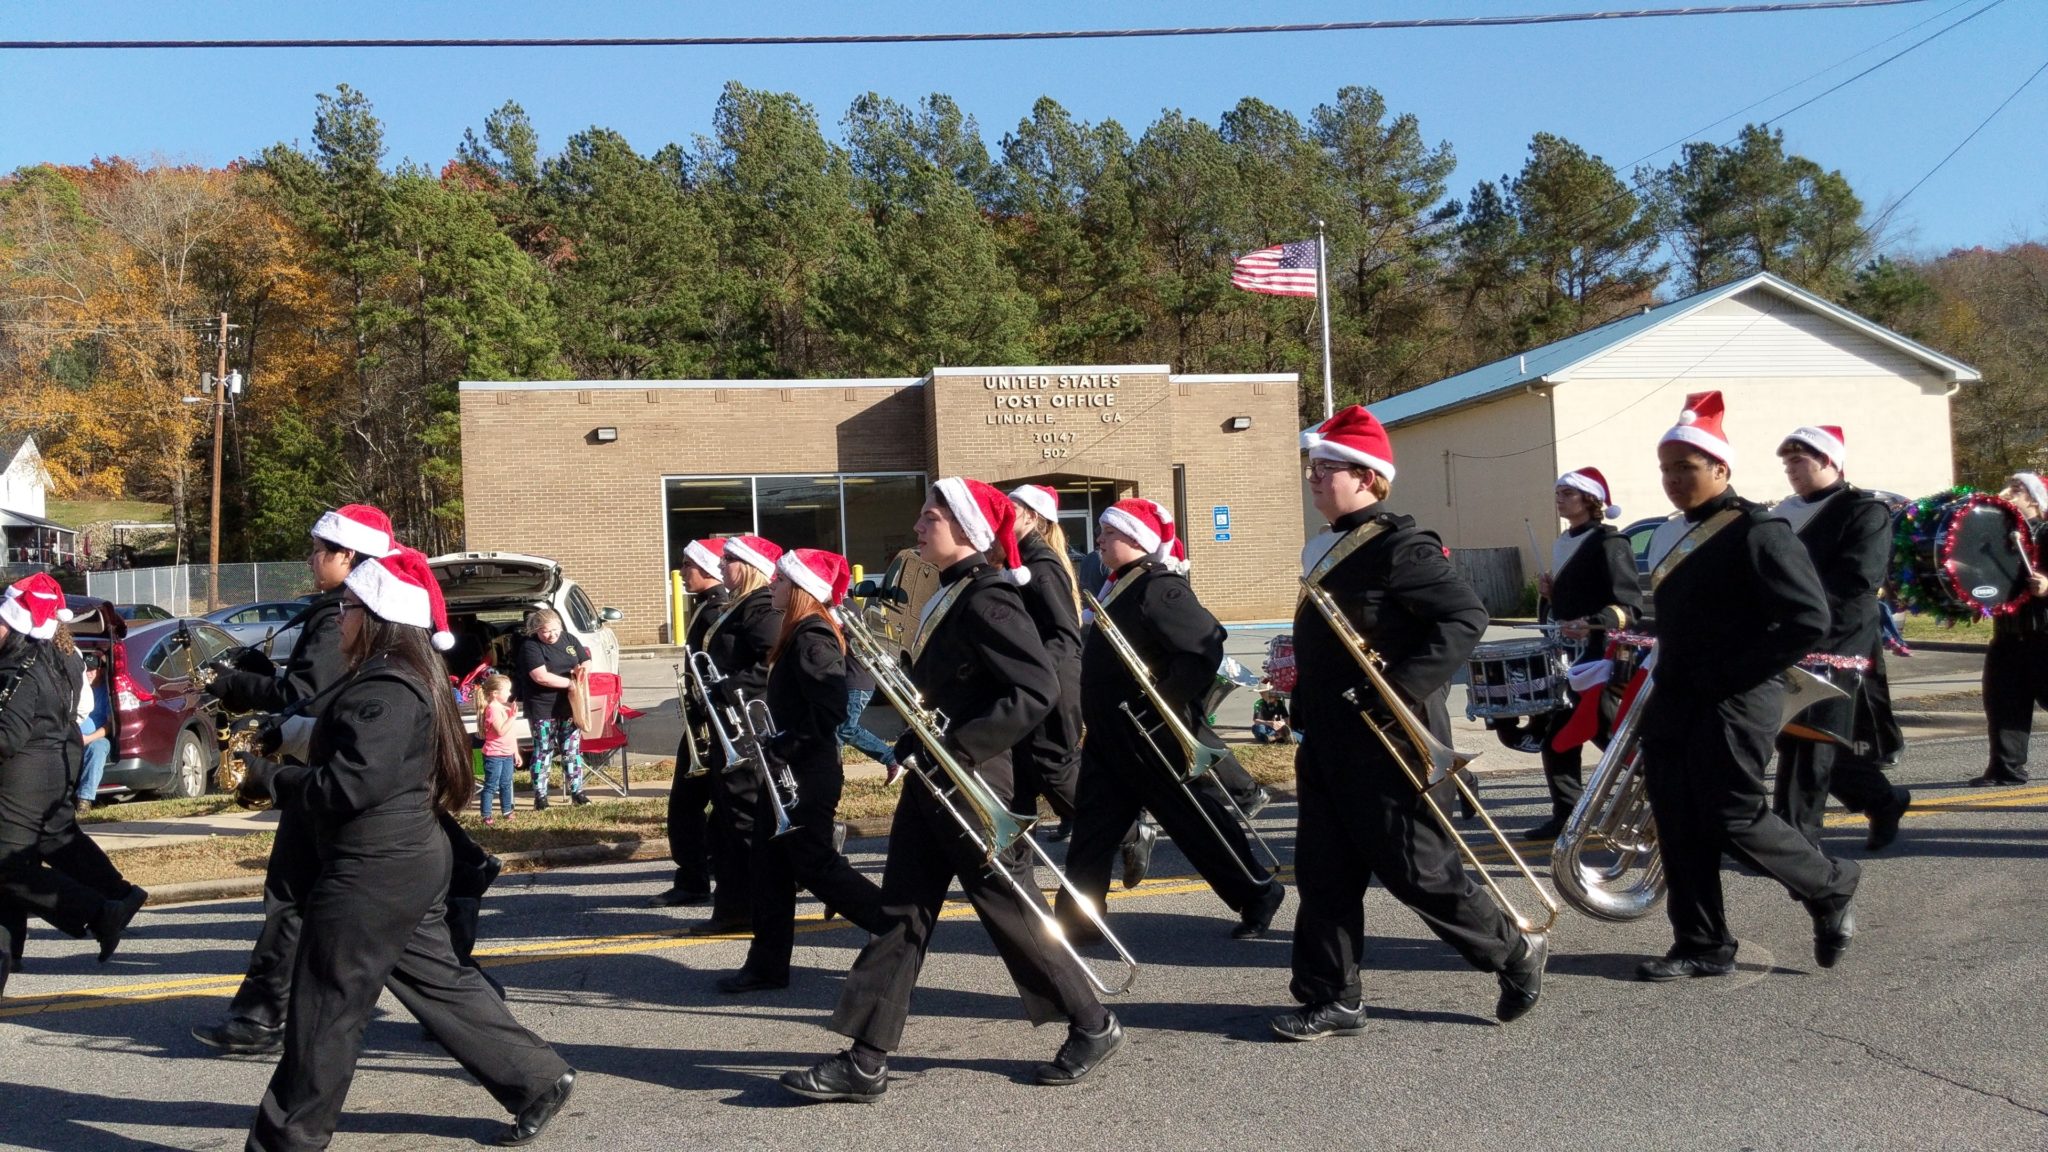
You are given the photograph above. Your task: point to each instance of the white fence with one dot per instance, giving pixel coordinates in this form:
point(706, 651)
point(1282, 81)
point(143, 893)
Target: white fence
point(182, 589)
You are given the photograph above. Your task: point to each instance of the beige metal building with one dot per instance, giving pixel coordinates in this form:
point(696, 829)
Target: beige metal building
point(1479, 453)
point(613, 478)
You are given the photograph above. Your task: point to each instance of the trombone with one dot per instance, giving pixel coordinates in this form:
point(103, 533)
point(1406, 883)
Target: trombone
point(988, 823)
point(1445, 763)
point(1196, 759)
point(752, 725)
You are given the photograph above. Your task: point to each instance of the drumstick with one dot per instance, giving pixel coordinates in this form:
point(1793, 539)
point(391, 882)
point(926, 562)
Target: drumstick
point(2026, 561)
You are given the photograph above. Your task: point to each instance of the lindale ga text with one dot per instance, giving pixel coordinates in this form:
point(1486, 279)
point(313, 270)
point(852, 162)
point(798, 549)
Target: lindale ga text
point(1029, 399)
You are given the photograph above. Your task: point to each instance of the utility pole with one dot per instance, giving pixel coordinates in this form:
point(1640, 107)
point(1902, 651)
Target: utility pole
point(220, 408)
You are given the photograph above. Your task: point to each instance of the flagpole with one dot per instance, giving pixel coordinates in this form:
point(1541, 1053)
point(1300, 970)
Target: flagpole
point(1323, 300)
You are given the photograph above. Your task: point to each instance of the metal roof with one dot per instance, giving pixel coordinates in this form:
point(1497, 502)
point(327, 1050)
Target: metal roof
point(1553, 362)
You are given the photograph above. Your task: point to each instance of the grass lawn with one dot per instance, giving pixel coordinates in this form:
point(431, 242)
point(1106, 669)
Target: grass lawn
point(1919, 627)
point(75, 513)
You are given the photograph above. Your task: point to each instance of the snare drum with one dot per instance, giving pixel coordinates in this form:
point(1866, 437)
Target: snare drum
point(1516, 678)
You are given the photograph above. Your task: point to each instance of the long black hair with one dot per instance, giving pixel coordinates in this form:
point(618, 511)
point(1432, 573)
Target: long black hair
point(408, 649)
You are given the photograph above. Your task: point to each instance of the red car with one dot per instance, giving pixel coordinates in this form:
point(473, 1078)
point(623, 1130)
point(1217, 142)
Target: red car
point(166, 744)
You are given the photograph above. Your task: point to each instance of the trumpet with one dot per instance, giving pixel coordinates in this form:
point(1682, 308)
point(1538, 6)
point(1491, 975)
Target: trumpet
point(697, 765)
point(1444, 763)
point(749, 724)
point(985, 819)
point(1196, 759)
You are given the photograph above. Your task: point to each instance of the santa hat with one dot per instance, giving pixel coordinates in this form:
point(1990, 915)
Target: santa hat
point(1825, 439)
point(2031, 481)
point(754, 552)
point(1352, 436)
point(988, 518)
point(823, 574)
point(1039, 499)
point(1149, 526)
point(1700, 426)
point(1592, 483)
point(361, 528)
point(401, 589)
point(35, 606)
point(704, 554)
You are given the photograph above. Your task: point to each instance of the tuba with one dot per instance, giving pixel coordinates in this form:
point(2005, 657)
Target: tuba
point(1606, 861)
point(988, 823)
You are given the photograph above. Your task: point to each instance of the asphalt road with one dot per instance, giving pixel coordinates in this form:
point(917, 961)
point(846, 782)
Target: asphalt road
point(1931, 1032)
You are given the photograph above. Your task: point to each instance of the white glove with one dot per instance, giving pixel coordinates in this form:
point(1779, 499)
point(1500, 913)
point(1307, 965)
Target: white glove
point(295, 739)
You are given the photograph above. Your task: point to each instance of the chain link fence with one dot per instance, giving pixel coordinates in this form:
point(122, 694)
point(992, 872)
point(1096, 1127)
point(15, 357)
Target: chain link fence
point(182, 589)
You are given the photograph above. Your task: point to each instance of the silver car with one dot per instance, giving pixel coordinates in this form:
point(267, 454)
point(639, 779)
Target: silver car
point(269, 626)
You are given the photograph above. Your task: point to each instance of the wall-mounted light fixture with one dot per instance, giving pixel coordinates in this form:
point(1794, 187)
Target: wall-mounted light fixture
point(1237, 423)
point(604, 435)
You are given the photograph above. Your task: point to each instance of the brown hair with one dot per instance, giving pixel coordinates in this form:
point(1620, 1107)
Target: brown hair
point(489, 687)
point(1379, 486)
point(410, 651)
point(803, 606)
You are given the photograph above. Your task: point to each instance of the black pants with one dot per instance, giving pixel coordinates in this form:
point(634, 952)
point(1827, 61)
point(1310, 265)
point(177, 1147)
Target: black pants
point(1117, 781)
point(1704, 763)
point(1360, 819)
point(1047, 763)
point(372, 919)
point(804, 857)
point(688, 842)
point(735, 795)
point(1809, 771)
point(48, 868)
point(927, 850)
point(2015, 680)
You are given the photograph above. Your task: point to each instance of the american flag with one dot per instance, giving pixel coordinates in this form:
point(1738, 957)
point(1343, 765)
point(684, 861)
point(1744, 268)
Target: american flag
point(1282, 270)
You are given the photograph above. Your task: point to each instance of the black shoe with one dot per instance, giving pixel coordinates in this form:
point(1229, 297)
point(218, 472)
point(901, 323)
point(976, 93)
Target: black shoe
point(1138, 854)
point(1680, 967)
point(840, 830)
point(1081, 1055)
point(540, 803)
point(721, 927)
point(578, 799)
point(679, 897)
point(239, 1037)
point(1521, 982)
point(1319, 1020)
point(1254, 802)
point(526, 1127)
point(1545, 832)
point(1996, 780)
point(838, 1078)
point(1258, 915)
point(745, 981)
point(1832, 930)
point(113, 920)
point(1884, 826)
point(1060, 831)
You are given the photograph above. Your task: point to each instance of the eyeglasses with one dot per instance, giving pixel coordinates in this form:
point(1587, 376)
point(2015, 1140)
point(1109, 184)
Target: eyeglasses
point(352, 606)
point(1324, 469)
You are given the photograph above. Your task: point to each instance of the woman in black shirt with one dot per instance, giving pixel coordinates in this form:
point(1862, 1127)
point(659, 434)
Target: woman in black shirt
point(548, 658)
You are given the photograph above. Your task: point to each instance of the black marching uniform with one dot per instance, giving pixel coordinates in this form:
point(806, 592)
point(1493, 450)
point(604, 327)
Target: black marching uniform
point(692, 840)
point(1737, 603)
point(739, 641)
point(1047, 762)
point(1597, 583)
point(1157, 612)
point(1361, 817)
point(373, 917)
point(1848, 536)
point(978, 660)
point(807, 697)
point(2016, 679)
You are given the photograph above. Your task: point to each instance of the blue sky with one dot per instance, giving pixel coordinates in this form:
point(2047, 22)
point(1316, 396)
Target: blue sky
point(1621, 89)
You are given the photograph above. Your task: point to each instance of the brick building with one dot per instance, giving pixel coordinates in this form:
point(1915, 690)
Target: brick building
point(612, 478)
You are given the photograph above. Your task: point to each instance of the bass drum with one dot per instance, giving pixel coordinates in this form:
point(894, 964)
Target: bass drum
point(1963, 556)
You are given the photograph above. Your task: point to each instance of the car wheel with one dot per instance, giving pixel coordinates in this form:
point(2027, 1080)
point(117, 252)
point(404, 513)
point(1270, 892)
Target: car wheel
point(188, 767)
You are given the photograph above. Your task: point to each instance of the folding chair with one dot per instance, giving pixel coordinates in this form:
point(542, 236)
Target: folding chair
point(598, 749)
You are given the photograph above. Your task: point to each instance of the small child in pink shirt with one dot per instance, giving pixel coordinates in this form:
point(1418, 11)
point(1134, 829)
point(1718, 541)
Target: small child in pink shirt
point(501, 748)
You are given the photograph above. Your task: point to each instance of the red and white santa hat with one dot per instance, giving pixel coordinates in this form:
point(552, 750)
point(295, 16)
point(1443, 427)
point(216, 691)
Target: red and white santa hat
point(988, 518)
point(1039, 499)
point(825, 575)
point(1150, 526)
point(2031, 484)
point(1592, 483)
point(361, 528)
point(35, 606)
point(1825, 439)
point(401, 589)
point(1353, 436)
point(1700, 426)
point(704, 554)
point(754, 552)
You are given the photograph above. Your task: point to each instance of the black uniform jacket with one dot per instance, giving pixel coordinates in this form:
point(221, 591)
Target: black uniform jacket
point(1849, 541)
point(368, 783)
point(315, 664)
point(2029, 619)
point(1175, 636)
point(39, 725)
point(1049, 597)
point(1598, 584)
point(1744, 606)
point(740, 644)
point(807, 696)
point(1406, 598)
point(983, 666)
point(693, 640)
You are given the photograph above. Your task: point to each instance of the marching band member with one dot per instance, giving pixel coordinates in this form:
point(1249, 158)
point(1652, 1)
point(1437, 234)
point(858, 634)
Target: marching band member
point(1590, 590)
point(2016, 661)
point(1152, 604)
point(1737, 603)
point(387, 750)
point(1360, 816)
point(738, 641)
point(976, 658)
point(689, 796)
point(1848, 536)
point(806, 695)
point(1047, 762)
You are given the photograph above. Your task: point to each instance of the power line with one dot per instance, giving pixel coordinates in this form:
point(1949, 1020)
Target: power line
point(1943, 162)
point(975, 37)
